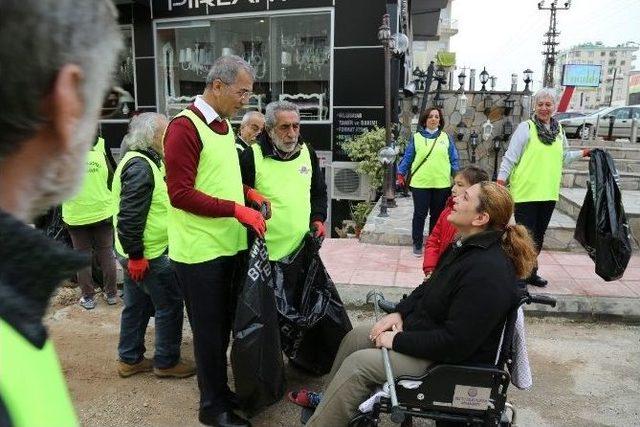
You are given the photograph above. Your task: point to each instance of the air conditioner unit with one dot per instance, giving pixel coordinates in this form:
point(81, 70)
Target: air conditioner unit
point(347, 183)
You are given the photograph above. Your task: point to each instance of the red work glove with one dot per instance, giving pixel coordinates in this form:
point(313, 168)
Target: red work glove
point(138, 269)
point(500, 182)
point(400, 180)
point(250, 218)
point(586, 152)
point(258, 201)
point(318, 226)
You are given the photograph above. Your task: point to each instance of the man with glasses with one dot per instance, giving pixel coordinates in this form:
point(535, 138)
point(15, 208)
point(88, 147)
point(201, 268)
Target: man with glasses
point(287, 172)
point(206, 218)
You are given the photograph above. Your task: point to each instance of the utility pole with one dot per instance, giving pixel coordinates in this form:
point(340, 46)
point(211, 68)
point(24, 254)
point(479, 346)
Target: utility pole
point(551, 43)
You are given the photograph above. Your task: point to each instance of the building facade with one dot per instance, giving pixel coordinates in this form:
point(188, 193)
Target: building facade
point(323, 55)
point(616, 63)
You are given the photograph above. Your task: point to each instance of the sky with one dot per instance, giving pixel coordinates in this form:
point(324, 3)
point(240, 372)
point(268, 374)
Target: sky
point(506, 35)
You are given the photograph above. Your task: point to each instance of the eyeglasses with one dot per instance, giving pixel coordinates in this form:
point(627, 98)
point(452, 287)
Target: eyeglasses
point(243, 94)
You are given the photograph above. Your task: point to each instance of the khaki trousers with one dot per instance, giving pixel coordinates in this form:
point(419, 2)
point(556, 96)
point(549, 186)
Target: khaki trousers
point(357, 371)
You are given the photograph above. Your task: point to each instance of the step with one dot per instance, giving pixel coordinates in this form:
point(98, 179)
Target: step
point(600, 143)
point(572, 178)
point(559, 234)
point(571, 199)
point(623, 165)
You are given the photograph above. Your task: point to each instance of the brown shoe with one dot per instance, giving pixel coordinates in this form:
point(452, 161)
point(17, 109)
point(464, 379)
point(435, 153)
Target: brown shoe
point(126, 370)
point(181, 370)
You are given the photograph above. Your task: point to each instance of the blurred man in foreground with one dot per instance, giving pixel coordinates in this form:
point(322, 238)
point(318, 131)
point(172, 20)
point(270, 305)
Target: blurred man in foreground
point(55, 60)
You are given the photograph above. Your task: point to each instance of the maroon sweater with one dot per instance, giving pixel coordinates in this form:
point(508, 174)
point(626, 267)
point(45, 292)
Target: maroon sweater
point(182, 148)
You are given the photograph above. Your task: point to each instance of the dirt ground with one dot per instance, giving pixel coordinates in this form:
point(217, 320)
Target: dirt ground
point(584, 374)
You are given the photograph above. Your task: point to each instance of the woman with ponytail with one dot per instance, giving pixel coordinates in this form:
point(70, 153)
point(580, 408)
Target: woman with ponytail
point(456, 316)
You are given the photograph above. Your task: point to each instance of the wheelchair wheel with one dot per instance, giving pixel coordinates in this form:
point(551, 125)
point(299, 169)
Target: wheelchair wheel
point(363, 420)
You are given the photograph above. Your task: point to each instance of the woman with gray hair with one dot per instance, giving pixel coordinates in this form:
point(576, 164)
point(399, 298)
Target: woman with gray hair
point(533, 164)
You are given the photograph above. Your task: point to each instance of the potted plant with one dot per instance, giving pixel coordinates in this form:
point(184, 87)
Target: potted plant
point(359, 213)
point(364, 149)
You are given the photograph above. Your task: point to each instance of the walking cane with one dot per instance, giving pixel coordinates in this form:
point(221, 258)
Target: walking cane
point(397, 416)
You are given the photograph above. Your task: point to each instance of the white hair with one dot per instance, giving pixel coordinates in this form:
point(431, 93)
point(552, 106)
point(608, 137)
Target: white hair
point(38, 38)
point(250, 114)
point(275, 107)
point(143, 130)
point(226, 69)
point(543, 93)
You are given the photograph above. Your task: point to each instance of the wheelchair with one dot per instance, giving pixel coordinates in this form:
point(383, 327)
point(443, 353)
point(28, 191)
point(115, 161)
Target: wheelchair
point(456, 395)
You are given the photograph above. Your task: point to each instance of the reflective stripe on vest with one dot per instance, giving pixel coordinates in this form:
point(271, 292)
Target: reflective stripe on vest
point(194, 238)
point(94, 201)
point(436, 170)
point(287, 185)
point(538, 174)
point(155, 238)
point(32, 386)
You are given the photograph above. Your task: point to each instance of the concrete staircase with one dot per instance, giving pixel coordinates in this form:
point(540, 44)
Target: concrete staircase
point(396, 229)
point(626, 156)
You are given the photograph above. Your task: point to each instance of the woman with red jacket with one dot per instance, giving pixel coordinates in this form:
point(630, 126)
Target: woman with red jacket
point(444, 232)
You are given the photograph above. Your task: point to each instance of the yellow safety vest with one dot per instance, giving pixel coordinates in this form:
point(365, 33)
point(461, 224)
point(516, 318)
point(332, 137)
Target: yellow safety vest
point(537, 175)
point(155, 236)
point(193, 238)
point(436, 170)
point(32, 386)
point(94, 201)
point(287, 185)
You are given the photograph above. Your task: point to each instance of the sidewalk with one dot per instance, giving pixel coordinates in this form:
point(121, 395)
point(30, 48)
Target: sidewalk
point(358, 267)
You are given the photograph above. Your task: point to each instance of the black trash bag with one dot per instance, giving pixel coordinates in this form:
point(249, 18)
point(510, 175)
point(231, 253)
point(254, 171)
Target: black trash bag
point(602, 227)
point(256, 358)
point(313, 319)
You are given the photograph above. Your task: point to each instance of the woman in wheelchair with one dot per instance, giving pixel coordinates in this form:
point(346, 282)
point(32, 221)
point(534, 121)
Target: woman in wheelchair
point(456, 316)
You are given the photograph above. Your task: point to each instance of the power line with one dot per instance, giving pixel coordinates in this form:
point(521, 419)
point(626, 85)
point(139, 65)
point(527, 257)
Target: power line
point(550, 52)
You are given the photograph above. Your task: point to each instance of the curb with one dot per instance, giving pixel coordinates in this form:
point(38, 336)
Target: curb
point(570, 306)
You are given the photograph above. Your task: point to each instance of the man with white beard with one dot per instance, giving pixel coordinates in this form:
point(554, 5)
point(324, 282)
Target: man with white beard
point(49, 104)
point(286, 171)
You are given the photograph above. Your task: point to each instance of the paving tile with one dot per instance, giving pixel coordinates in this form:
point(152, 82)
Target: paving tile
point(409, 268)
point(632, 273)
point(410, 280)
point(340, 274)
point(546, 257)
point(380, 278)
point(572, 259)
point(610, 289)
point(565, 286)
point(550, 272)
point(581, 272)
point(634, 285)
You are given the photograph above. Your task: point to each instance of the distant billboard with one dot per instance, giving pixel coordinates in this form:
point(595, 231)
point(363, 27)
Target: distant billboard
point(581, 75)
point(634, 83)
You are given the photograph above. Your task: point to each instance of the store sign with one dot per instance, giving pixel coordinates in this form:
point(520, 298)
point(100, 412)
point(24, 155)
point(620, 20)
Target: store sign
point(173, 8)
point(581, 75)
point(194, 4)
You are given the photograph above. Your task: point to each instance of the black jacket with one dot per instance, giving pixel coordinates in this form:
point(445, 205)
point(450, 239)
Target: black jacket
point(318, 187)
point(457, 316)
point(137, 184)
point(241, 146)
point(31, 267)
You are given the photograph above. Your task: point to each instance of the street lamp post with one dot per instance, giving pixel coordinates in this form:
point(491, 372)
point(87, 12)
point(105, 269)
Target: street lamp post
point(528, 78)
point(388, 190)
point(427, 84)
point(441, 78)
point(484, 78)
point(473, 141)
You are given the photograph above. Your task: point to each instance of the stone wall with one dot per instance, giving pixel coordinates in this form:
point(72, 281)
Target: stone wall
point(474, 117)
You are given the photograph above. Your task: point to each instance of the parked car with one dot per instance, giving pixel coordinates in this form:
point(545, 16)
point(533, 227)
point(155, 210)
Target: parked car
point(568, 115)
point(581, 127)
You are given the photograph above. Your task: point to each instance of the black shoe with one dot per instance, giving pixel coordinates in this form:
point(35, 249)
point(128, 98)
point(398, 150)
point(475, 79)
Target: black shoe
point(224, 419)
point(536, 280)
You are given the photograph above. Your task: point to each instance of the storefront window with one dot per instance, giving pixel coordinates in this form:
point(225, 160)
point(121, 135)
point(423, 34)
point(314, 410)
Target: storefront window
point(119, 103)
point(290, 53)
